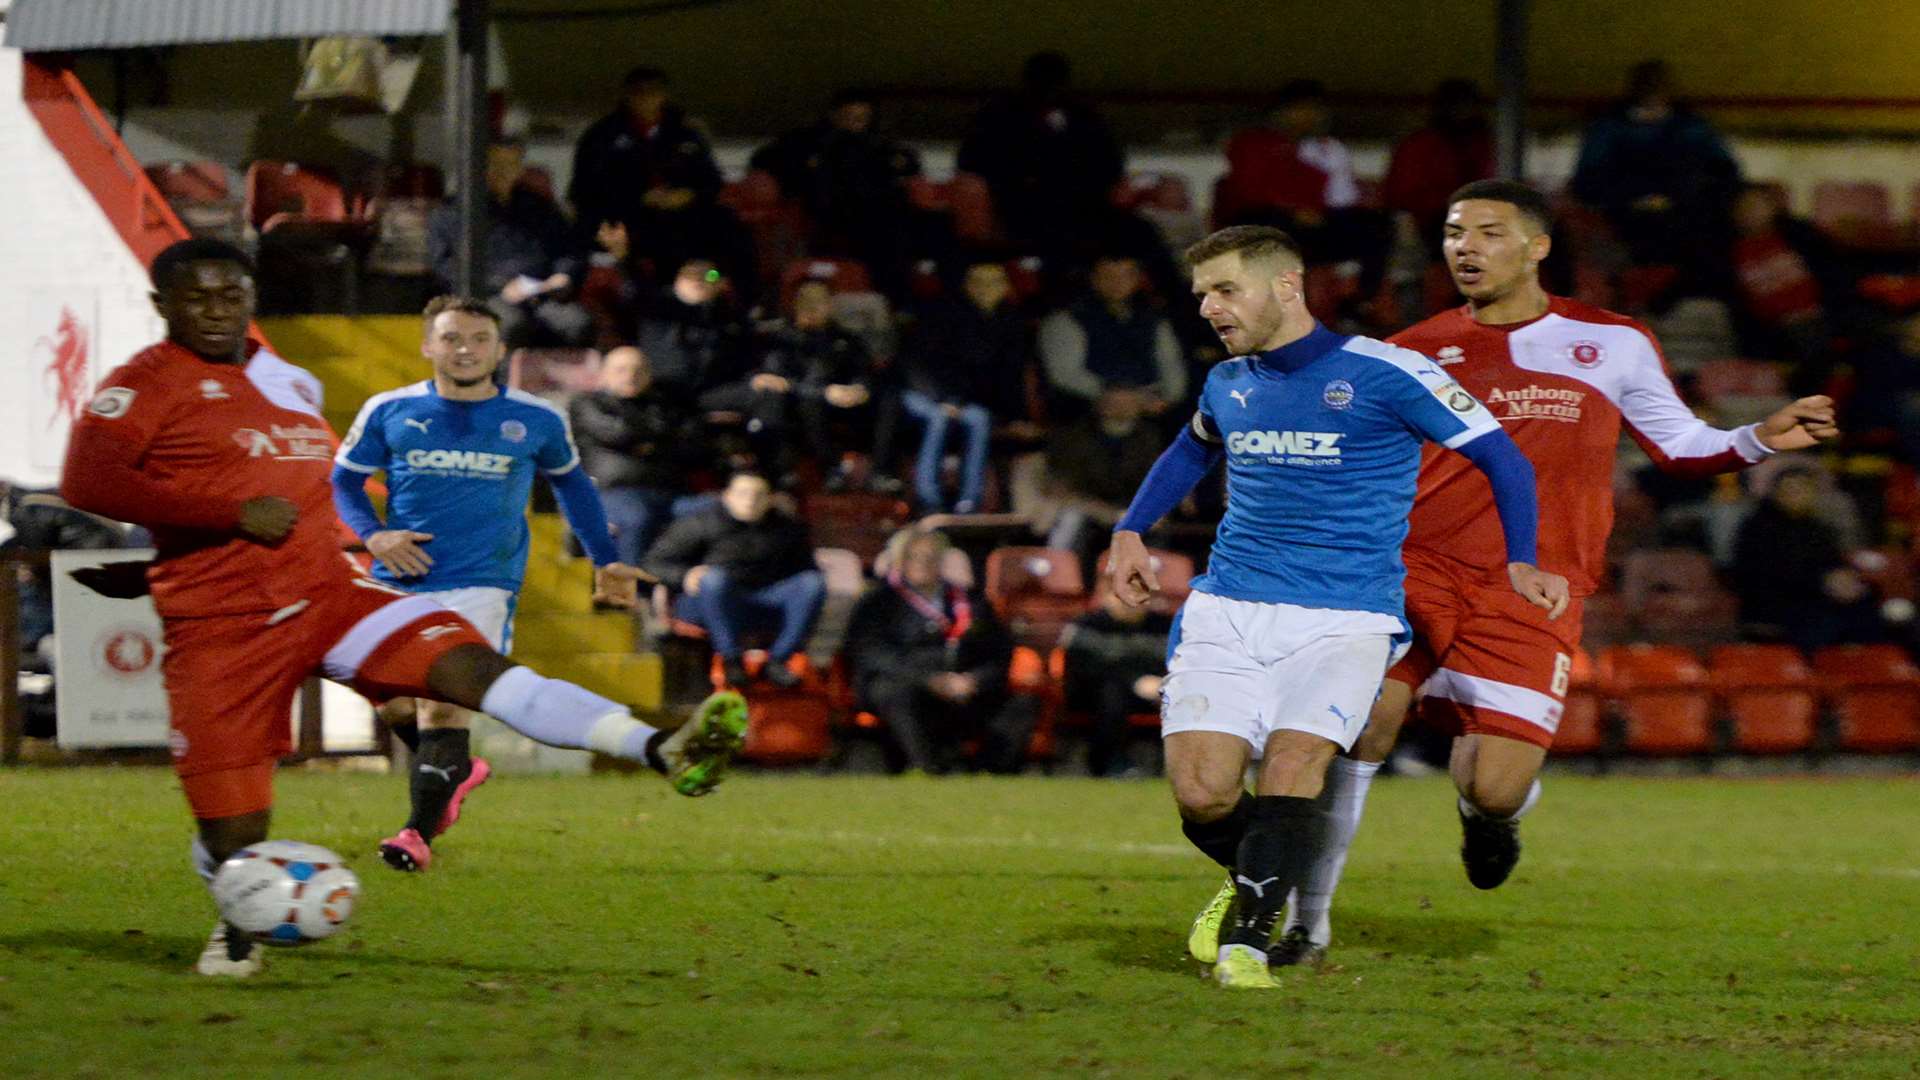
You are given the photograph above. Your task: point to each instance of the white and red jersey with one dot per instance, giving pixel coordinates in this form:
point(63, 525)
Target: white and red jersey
point(1561, 385)
point(176, 443)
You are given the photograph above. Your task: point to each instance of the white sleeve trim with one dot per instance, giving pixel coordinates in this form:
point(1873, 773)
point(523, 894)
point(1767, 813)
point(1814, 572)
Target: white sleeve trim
point(341, 461)
point(565, 469)
point(1471, 434)
point(1746, 443)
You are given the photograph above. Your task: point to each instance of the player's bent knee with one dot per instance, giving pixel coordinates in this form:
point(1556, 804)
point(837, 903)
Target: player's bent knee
point(1204, 798)
point(462, 674)
point(440, 715)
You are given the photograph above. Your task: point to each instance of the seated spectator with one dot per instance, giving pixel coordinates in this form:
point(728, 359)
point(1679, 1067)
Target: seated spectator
point(613, 290)
point(1047, 157)
point(1454, 149)
point(533, 266)
point(1785, 269)
point(852, 182)
point(1290, 173)
point(1886, 394)
point(738, 567)
point(930, 660)
point(1113, 339)
point(693, 335)
point(818, 377)
point(1792, 574)
point(1116, 657)
point(966, 363)
point(1663, 178)
point(41, 521)
point(1091, 469)
point(634, 442)
point(644, 166)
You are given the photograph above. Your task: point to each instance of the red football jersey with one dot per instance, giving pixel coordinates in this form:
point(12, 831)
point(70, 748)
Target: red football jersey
point(175, 443)
point(1561, 385)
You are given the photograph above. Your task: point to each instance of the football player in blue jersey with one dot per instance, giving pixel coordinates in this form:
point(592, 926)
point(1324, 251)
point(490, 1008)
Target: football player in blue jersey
point(1279, 653)
point(459, 455)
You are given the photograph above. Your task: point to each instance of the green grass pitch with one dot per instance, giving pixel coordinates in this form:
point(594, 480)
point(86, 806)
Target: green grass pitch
point(864, 926)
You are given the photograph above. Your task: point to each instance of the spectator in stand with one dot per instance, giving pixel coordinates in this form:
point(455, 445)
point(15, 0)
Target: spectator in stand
point(533, 267)
point(1785, 269)
point(693, 334)
point(930, 659)
point(738, 567)
point(1291, 173)
point(1663, 177)
point(853, 182)
point(613, 291)
point(1047, 157)
point(1116, 658)
point(1092, 467)
point(1454, 149)
point(644, 166)
point(1792, 573)
point(1113, 339)
point(633, 441)
point(815, 375)
point(966, 363)
point(1886, 394)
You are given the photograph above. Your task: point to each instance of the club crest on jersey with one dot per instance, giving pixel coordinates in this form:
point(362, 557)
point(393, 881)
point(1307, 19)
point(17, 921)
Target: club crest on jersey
point(513, 431)
point(1587, 354)
point(1451, 354)
point(1338, 394)
point(111, 403)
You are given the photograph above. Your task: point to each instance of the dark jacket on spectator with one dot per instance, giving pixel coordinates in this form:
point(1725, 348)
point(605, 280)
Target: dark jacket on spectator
point(840, 176)
point(1780, 563)
point(754, 555)
point(813, 360)
point(526, 235)
point(888, 639)
point(958, 354)
point(1048, 163)
point(1092, 464)
point(614, 165)
point(694, 347)
point(632, 442)
point(1681, 157)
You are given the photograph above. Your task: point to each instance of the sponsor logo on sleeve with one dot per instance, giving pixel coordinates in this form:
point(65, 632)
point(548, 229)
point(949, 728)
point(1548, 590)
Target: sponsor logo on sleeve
point(111, 403)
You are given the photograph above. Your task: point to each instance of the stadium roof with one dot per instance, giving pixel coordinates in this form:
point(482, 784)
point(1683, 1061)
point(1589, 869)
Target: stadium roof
point(62, 25)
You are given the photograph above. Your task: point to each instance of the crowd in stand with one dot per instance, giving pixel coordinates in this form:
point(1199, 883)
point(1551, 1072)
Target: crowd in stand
point(838, 324)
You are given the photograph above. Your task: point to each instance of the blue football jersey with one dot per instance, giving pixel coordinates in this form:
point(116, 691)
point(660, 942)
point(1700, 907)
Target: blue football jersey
point(1322, 439)
point(461, 471)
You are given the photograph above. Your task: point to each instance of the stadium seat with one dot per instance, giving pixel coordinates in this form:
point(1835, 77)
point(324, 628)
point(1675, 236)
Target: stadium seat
point(1027, 276)
point(1583, 723)
point(755, 661)
point(1173, 570)
point(1768, 692)
point(1875, 694)
point(974, 219)
point(930, 195)
point(286, 193)
point(858, 521)
point(1037, 590)
point(1853, 211)
point(1739, 378)
point(788, 727)
point(1641, 287)
point(201, 193)
point(1028, 675)
point(1663, 697)
point(1674, 595)
point(1158, 191)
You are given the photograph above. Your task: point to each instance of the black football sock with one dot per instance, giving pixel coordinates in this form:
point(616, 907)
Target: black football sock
point(1219, 839)
point(407, 732)
point(438, 769)
point(1274, 859)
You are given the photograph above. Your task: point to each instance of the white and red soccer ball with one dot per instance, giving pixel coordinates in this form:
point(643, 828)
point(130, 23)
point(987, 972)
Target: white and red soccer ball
point(283, 892)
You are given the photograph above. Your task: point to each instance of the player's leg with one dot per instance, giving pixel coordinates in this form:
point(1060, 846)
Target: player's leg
point(228, 952)
point(1323, 689)
point(401, 715)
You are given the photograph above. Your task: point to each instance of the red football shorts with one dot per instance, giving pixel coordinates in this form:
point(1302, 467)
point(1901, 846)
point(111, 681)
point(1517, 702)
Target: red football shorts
point(1487, 661)
point(231, 679)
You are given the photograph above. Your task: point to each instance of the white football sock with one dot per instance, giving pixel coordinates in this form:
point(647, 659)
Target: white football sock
point(1345, 799)
point(561, 714)
point(1533, 798)
point(203, 860)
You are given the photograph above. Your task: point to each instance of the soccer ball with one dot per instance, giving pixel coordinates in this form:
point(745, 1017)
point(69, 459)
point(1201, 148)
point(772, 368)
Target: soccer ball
point(283, 892)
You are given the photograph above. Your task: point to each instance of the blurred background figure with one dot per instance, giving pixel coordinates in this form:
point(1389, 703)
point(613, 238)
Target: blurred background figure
point(1116, 657)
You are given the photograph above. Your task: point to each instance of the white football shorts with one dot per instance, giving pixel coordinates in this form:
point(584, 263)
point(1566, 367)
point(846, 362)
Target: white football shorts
point(490, 610)
point(1250, 669)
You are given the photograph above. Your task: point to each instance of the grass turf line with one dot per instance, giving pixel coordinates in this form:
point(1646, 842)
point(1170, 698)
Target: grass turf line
point(802, 926)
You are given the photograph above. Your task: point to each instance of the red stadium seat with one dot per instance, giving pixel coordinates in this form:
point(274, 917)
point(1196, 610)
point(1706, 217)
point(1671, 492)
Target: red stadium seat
point(930, 195)
point(1643, 286)
point(1739, 378)
point(1875, 694)
point(1037, 590)
point(858, 521)
point(788, 727)
point(1583, 723)
point(1768, 691)
point(1663, 696)
point(282, 193)
point(1028, 675)
point(974, 219)
point(1158, 191)
point(1674, 595)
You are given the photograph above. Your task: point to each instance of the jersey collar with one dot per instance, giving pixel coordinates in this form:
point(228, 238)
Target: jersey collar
point(1295, 355)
